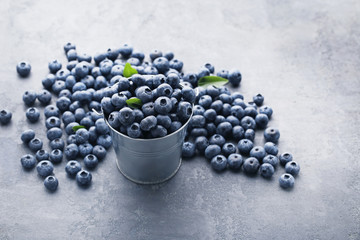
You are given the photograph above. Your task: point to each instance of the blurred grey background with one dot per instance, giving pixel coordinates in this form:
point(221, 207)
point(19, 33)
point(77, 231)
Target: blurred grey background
point(303, 56)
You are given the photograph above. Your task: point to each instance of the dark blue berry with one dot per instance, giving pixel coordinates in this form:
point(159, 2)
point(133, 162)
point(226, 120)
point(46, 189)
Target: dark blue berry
point(237, 111)
point(271, 148)
point(158, 131)
point(224, 129)
point(250, 111)
point(184, 111)
point(87, 122)
point(56, 156)
point(249, 134)
point(27, 135)
point(51, 183)
point(228, 148)
point(5, 116)
point(99, 152)
point(266, 170)
point(44, 97)
point(188, 149)
point(104, 140)
point(210, 115)
point(175, 125)
point(71, 151)
point(126, 116)
point(245, 146)
point(210, 67)
point(63, 103)
point(68, 117)
point(248, 123)
point(53, 133)
point(72, 168)
point(23, 69)
point(85, 149)
point(238, 133)
point(196, 132)
point(163, 120)
point(258, 99)
point(28, 161)
point(271, 159)
point(90, 161)
point(271, 134)
point(223, 74)
point(292, 168)
point(286, 181)
point(217, 139)
point(83, 178)
point(219, 162)
point(51, 111)
point(235, 161)
point(201, 144)
point(176, 64)
point(148, 123)
point(35, 144)
point(57, 143)
point(261, 120)
point(48, 81)
point(198, 110)
point(32, 114)
point(266, 110)
point(82, 136)
point(29, 97)
point(68, 46)
point(45, 168)
point(285, 158)
point(234, 77)
point(212, 150)
point(138, 55)
point(69, 128)
point(258, 152)
point(203, 71)
point(251, 165)
point(234, 121)
point(54, 66)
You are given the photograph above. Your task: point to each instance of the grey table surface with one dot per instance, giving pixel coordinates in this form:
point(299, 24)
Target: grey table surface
point(303, 56)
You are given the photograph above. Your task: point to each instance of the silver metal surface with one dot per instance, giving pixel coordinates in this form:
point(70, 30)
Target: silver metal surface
point(148, 161)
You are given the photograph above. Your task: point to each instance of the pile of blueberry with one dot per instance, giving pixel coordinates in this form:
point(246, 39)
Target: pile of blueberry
point(223, 130)
point(165, 98)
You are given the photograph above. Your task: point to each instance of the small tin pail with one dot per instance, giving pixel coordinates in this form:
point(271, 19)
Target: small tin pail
point(148, 161)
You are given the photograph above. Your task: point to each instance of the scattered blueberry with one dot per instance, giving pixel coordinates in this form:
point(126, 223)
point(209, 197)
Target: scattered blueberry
point(90, 161)
point(23, 69)
point(28, 161)
point(83, 178)
point(267, 170)
point(5, 116)
point(235, 161)
point(292, 168)
point(285, 158)
point(251, 165)
point(72, 168)
point(219, 163)
point(27, 135)
point(32, 114)
point(286, 181)
point(45, 168)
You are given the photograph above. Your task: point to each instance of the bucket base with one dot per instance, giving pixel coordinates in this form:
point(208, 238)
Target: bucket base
point(148, 183)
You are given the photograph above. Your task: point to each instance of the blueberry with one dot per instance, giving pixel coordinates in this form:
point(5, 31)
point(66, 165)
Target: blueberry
point(44, 97)
point(217, 139)
point(257, 152)
point(164, 120)
point(92, 134)
point(28, 161)
point(161, 64)
point(82, 136)
point(197, 121)
point(134, 130)
point(249, 134)
point(155, 54)
point(238, 133)
point(252, 104)
point(90, 161)
point(99, 151)
point(72, 168)
point(54, 66)
point(56, 156)
point(258, 99)
point(234, 77)
point(126, 116)
point(251, 165)
point(164, 89)
point(176, 64)
point(271, 148)
point(5, 116)
point(184, 111)
point(87, 122)
point(219, 119)
point(45, 168)
point(100, 82)
point(191, 78)
point(213, 91)
point(292, 168)
point(62, 74)
point(261, 120)
point(74, 105)
point(138, 80)
point(239, 102)
point(163, 105)
point(203, 71)
point(27, 135)
point(267, 170)
point(271, 159)
point(71, 55)
point(210, 128)
point(23, 69)
point(126, 50)
point(175, 125)
point(210, 115)
point(68, 117)
point(32, 114)
point(53, 133)
point(144, 93)
point(266, 110)
point(227, 149)
point(223, 74)
point(98, 57)
point(29, 97)
point(225, 98)
point(188, 149)
point(57, 143)
point(104, 140)
point(63, 103)
point(48, 81)
point(68, 46)
point(286, 181)
point(235, 161)
point(71, 64)
point(138, 55)
point(173, 80)
point(71, 151)
point(85, 149)
point(113, 120)
point(219, 163)
point(205, 101)
point(51, 111)
point(212, 150)
point(196, 132)
point(217, 105)
point(271, 134)
point(210, 67)
point(148, 123)
point(89, 81)
point(58, 86)
point(158, 131)
point(69, 128)
point(250, 111)
point(51, 183)
point(83, 178)
point(71, 139)
point(95, 105)
point(237, 111)
point(245, 146)
point(234, 121)
point(201, 144)
point(248, 123)
point(198, 110)
point(188, 94)
point(224, 129)
point(35, 144)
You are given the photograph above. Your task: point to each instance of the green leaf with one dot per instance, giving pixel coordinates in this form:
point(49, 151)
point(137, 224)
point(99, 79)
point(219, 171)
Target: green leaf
point(212, 81)
point(134, 102)
point(129, 71)
point(75, 128)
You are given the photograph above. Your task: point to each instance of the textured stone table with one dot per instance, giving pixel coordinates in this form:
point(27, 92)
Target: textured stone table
point(303, 57)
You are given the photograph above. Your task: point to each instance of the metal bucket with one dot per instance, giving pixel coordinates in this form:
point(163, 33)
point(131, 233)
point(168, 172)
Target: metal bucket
point(148, 161)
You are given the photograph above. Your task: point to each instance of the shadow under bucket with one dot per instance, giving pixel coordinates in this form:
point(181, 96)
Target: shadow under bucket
point(148, 161)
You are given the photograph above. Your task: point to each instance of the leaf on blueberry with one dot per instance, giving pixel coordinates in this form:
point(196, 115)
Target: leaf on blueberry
point(212, 81)
point(134, 102)
point(129, 71)
point(75, 128)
